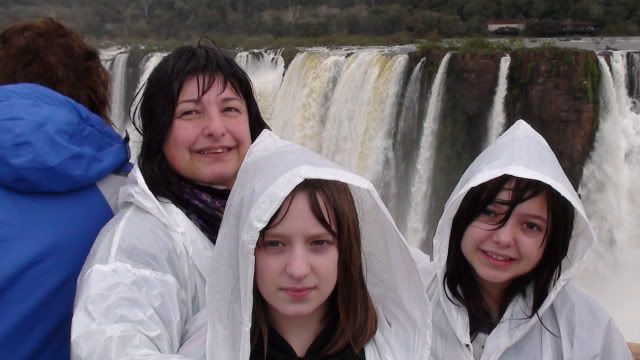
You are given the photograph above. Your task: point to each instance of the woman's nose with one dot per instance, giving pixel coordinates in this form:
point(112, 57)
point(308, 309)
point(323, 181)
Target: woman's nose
point(213, 125)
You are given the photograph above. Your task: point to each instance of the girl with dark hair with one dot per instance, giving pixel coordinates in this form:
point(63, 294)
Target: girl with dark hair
point(309, 265)
point(512, 235)
point(144, 282)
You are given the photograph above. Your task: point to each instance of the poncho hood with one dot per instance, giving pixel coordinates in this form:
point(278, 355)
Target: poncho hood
point(50, 143)
point(271, 169)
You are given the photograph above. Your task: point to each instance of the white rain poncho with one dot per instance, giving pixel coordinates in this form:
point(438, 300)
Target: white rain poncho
point(583, 330)
point(143, 284)
point(271, 169)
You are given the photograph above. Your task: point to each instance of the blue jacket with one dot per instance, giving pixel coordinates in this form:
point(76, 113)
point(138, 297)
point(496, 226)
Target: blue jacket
point(56, 158)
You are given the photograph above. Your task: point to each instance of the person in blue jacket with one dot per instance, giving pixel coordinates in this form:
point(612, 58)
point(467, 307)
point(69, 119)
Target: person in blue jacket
point(61, 164)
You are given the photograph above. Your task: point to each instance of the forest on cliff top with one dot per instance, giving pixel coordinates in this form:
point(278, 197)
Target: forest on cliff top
point(396, 20)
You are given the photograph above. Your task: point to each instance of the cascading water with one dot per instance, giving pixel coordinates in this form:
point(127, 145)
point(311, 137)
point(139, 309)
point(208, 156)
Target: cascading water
point(266, 69)
point(356, 133)
point(611, 194)
point(147, 65)
point(417, 218)
point(115, 60)
point(406, 135)
point(497, 116)
point(303, 100)
point(634, 81)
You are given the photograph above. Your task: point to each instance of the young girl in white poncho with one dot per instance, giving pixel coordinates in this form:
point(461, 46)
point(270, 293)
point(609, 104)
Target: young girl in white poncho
point(511, 238)
point(310, 265)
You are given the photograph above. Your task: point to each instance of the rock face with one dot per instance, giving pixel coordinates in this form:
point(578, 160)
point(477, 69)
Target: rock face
point(556, 91)
point(470, 87)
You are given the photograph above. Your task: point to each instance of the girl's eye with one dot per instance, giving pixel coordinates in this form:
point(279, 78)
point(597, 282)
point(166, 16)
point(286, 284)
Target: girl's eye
point(273, 244)
point(531, 226)
point(321, 243)
point(489, 212)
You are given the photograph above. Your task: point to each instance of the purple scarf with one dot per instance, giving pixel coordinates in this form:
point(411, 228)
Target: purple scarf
point(203, 205)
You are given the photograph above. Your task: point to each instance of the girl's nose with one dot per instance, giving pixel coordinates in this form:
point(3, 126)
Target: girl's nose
point(505, 235)
point(298, 265)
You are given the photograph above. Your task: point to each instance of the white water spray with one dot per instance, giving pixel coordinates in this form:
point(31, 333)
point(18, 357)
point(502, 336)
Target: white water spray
point(266, 69)
point(417, 219)
point(401, 164)
point(611, 194)
point(497, 114)
point(147, 65)
point(356, 133)
point(303, 100)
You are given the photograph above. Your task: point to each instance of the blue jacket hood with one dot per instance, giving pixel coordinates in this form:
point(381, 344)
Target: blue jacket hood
point(50, 143)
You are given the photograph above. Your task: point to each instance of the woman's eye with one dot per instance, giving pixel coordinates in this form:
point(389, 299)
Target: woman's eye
point(187, 114)
point(231, 109)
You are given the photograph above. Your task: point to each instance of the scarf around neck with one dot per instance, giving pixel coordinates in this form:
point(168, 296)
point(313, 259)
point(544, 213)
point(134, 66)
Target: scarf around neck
point(203, 205)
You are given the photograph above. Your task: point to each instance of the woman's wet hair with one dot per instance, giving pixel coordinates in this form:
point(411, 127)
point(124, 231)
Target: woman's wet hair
point(47, 53)
point(350, 305)
point(459, 277)
point(159, 100)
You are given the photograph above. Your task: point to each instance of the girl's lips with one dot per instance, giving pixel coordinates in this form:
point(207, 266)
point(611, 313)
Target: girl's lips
point(497, 259)
point(296, 293)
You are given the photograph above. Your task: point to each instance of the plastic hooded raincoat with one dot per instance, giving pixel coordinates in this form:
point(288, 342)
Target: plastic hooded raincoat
point(569, 324)
point(271, 169)
point(143, 283)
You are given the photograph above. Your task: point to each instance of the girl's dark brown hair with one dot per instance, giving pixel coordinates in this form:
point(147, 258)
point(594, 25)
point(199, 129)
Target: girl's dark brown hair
point(459, 277)
point(350, 303)
point(48, 53)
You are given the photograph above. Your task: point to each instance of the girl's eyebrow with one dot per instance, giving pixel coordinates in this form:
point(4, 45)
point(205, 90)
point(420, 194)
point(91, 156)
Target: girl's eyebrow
point(285, 234)
point(536, 216)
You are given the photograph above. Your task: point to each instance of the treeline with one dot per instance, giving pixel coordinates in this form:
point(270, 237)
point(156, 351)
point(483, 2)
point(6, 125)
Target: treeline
point(411, 19)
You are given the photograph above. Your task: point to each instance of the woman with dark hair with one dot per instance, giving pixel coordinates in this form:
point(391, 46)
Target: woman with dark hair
point(144, 281)
point(309, 265)
point(61, 166)
point(511, 237)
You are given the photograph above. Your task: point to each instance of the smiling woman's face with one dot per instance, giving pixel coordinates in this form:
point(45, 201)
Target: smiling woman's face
point(500, 254)
point(209, 137)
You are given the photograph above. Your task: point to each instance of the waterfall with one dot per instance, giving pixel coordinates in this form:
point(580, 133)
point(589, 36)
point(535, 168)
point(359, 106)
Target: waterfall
point(407, 130)
point(115, 61)
point(417, 219)
point(357, 130)
point(266, 69)
point(303, 100)
point(611, 194)
point(634, 81)
point(147, 65)
point(497, 116)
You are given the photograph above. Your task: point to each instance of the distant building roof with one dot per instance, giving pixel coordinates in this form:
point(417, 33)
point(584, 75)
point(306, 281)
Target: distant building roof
point(505, 22)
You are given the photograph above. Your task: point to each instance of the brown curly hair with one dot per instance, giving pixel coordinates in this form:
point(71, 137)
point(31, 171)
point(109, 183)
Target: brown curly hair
point(48, 53)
